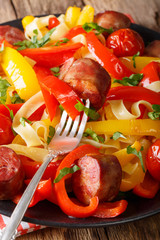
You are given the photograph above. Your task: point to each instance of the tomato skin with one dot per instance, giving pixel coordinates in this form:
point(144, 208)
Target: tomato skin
point(6, 133)
point(153, 160)
point(30, 168)
point(53, 22)
point(125, 42)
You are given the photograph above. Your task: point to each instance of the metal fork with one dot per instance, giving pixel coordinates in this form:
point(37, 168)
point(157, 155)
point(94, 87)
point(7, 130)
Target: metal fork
point(67, 136)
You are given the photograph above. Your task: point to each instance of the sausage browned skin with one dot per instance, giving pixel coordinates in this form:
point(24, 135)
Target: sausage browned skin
point(11, 34)
point(89, 80)
point(112, 19)
point(153, 49)
point(99, 175)
point(11, 173)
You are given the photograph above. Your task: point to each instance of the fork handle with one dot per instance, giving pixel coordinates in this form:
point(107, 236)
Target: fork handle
point(22, 206)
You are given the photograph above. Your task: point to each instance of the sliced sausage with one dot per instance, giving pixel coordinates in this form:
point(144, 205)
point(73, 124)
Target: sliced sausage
point(11, 173)
point(99, 175)
point(11, 34)
point(112, 19)
point(153, 49)
point(89, 80)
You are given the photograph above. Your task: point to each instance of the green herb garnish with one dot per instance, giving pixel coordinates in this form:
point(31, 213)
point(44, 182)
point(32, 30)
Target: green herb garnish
point(93, 135)
point(131, 150)
point(4, 84)
point(132, 80)
point(65, 171)
point(23, 121)
point(88, 27)
point(133, 59)
point(55, 71)
point(117, 135)
point(91, 113)
point(155, 115)
point(16, 99)
point(63, 40)
point(51, 134)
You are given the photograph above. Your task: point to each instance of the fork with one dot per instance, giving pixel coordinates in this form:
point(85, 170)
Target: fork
point(67, 136)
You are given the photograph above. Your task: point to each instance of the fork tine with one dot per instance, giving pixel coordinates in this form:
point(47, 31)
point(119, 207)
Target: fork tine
point(67, 127)
point(75, 126)
point(83, 122)
point(62, 123)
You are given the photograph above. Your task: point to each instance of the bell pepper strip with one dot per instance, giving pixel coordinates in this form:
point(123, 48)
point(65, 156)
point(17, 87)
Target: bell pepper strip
point(31, 167)
point(6, 44)
point(71, 16)
point(86, 15)
point(148, 188)
point(74, 32)
point(14, 107)
point(64, 202)
point(50, 100)
point(36, 116)
point(20, 73)
point(140, 61)
point(52, 197)
point(124, 157)
point(63, 93)
point(51, 56)
point(130, 181)
point(43, 191)
point(106, 58)
point(140, 127)
point(110, 209)
point(133, 94)
point(151, 73)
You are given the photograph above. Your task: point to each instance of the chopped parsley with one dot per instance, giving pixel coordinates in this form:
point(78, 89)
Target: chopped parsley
point(4, 84)
point(131, 150)
point(134, 60)
point(65, 171)
point(88, 27)
point(16, 99)
point(91, 113)
point(63, 40)
point(117, 135)
point(23, 121)
point(132, 80)
point(155, 115)
point(93, 135)
point(55, 71)
point(51, 134)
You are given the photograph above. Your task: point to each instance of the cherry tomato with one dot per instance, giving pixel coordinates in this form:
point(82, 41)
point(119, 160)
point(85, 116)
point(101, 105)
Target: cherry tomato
point(125, 42)
point(30, 168)
point(53, 22)
point(153, 160)
point(6, 133)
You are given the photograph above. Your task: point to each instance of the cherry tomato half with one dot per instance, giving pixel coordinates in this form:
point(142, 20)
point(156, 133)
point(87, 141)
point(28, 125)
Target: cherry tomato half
point(153, 160)
point(125, 42)
point(6, 133)
point(53, 22)
point(30, 168)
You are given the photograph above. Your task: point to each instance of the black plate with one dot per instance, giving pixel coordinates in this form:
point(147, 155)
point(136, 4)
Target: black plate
point(46, 213)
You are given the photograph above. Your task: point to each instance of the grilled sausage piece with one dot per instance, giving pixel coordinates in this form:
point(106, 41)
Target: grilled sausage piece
point(112, 19)
point(11, 173)
point(11, 34)
point(99, 175)
point(88, 79)
point(153, 49)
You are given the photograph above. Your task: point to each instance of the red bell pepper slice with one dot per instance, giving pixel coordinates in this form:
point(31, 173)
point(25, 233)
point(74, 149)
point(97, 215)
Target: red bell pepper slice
point(110, 209)
point(148, 188)
point(50, 101)
point(6, 44)
point(43, 191)
point(106, 58)
point(53, 22)
point(51, 56)
point(64, 202)
point(31, 167)
point(151, 73)
point(63, 93)
point(74, 32)
point(13, 107)
point(133, 94)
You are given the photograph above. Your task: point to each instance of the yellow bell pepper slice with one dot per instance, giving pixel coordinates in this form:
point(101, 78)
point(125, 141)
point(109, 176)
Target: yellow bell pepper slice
point(86, 15)
point(71, 16)
point(140, 127)
point(27, 20)
point(19, 72)
point(141, 62)
point(124, 157)
point(130, 181)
